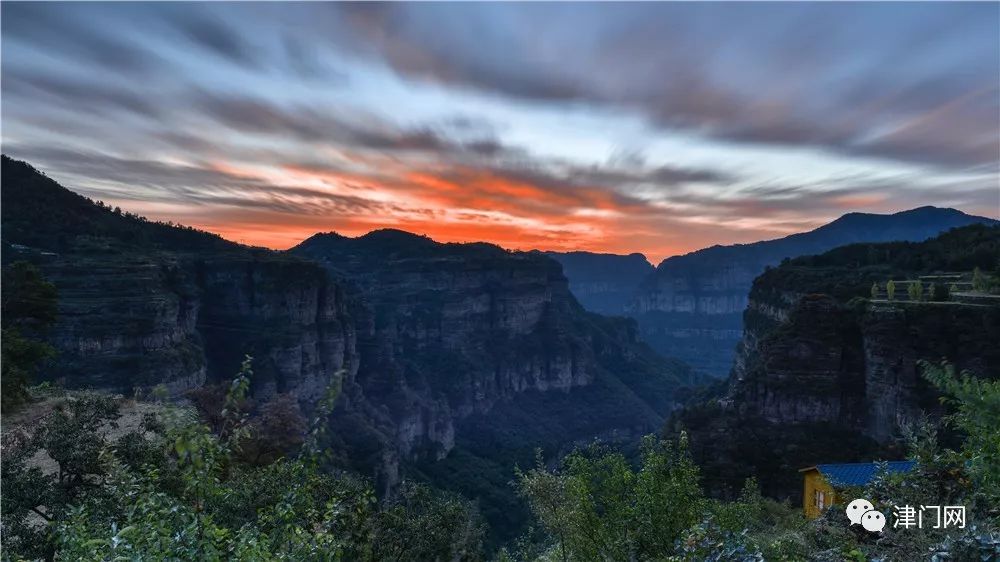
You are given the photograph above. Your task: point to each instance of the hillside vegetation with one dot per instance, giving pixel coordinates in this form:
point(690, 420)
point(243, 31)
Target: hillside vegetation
point(180, 487)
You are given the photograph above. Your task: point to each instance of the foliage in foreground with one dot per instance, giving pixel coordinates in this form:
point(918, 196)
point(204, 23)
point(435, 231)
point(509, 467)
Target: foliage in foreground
point(184, 487)
point(597, 506)
point(174, 489)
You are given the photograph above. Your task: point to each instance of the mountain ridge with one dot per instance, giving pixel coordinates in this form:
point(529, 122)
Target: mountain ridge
point(445, 352)
point(691, 306)
point(925, 211)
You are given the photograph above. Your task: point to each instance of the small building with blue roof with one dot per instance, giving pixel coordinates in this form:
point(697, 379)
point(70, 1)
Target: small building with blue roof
point(821, 482)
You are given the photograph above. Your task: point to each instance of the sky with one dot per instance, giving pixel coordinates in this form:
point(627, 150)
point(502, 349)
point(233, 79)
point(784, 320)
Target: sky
point(654, 128)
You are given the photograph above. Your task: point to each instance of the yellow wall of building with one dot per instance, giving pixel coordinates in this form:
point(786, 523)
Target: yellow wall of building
point(814, 482)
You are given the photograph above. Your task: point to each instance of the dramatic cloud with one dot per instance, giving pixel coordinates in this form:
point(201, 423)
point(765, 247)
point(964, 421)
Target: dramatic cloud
point(777, 74)
point(658, 128)
point(51, 27)
point(74, 95)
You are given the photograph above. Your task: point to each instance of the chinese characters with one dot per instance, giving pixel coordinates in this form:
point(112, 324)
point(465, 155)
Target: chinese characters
point(934, 516)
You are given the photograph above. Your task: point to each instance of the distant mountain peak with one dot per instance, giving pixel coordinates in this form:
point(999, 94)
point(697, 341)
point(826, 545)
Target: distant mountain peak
point(703, 294)
point(915, 224)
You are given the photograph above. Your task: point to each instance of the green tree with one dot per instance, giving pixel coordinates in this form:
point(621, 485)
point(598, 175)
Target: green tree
point(423, 524)
point(28, 311)
point(70, 436)
point(890, 289)
point(969, 476)
point(976, 402)
point(176, 490)
point(875, 290)
point(26, 493)
point(980, 281)
point(21, 357)
point(277, 430)
point(598, 507)
point(915, 290)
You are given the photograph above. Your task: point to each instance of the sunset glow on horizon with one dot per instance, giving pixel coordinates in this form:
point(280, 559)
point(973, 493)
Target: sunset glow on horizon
point(652, 128)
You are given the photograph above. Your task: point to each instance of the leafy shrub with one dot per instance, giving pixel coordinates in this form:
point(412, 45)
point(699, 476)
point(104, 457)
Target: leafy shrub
point(176, 490)
point(599, 507)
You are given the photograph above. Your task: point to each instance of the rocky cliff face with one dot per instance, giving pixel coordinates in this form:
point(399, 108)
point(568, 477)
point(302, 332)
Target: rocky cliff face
point(128, 322)
point(142, 304)
point(828, 375)
point(603, 283)
point(810, 373)
point(289, 315)
point(857, 367)
point(691, 307)
point(451, 331)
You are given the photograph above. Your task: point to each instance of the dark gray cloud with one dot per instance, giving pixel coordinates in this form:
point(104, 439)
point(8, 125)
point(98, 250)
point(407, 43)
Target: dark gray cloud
point(53, 26)
point(828, 76)
point(506, 66)
point(77, 95)
point(360, 131)
point(216, 36)
point(914, 83)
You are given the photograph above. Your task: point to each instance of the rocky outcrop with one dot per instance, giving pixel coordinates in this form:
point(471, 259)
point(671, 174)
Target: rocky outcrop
point(121, 327)
point(708, 289)
point(812, 372)
point(289, 315)
point(824, 374)
point(857, 367)
point(448, 332)
point(130, 322)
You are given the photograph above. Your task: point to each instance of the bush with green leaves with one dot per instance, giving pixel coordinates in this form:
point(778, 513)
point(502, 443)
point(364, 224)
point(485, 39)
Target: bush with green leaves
point(975, 402)
point(174, 489)
point(597, 506)
point(979, 281)
point(32, 501)
point(423, 524)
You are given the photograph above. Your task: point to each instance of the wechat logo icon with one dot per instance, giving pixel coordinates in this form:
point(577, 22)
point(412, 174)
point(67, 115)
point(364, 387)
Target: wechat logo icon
point(862, 512)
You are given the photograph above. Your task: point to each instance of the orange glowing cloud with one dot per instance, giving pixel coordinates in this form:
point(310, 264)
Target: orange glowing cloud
point(279, 205)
